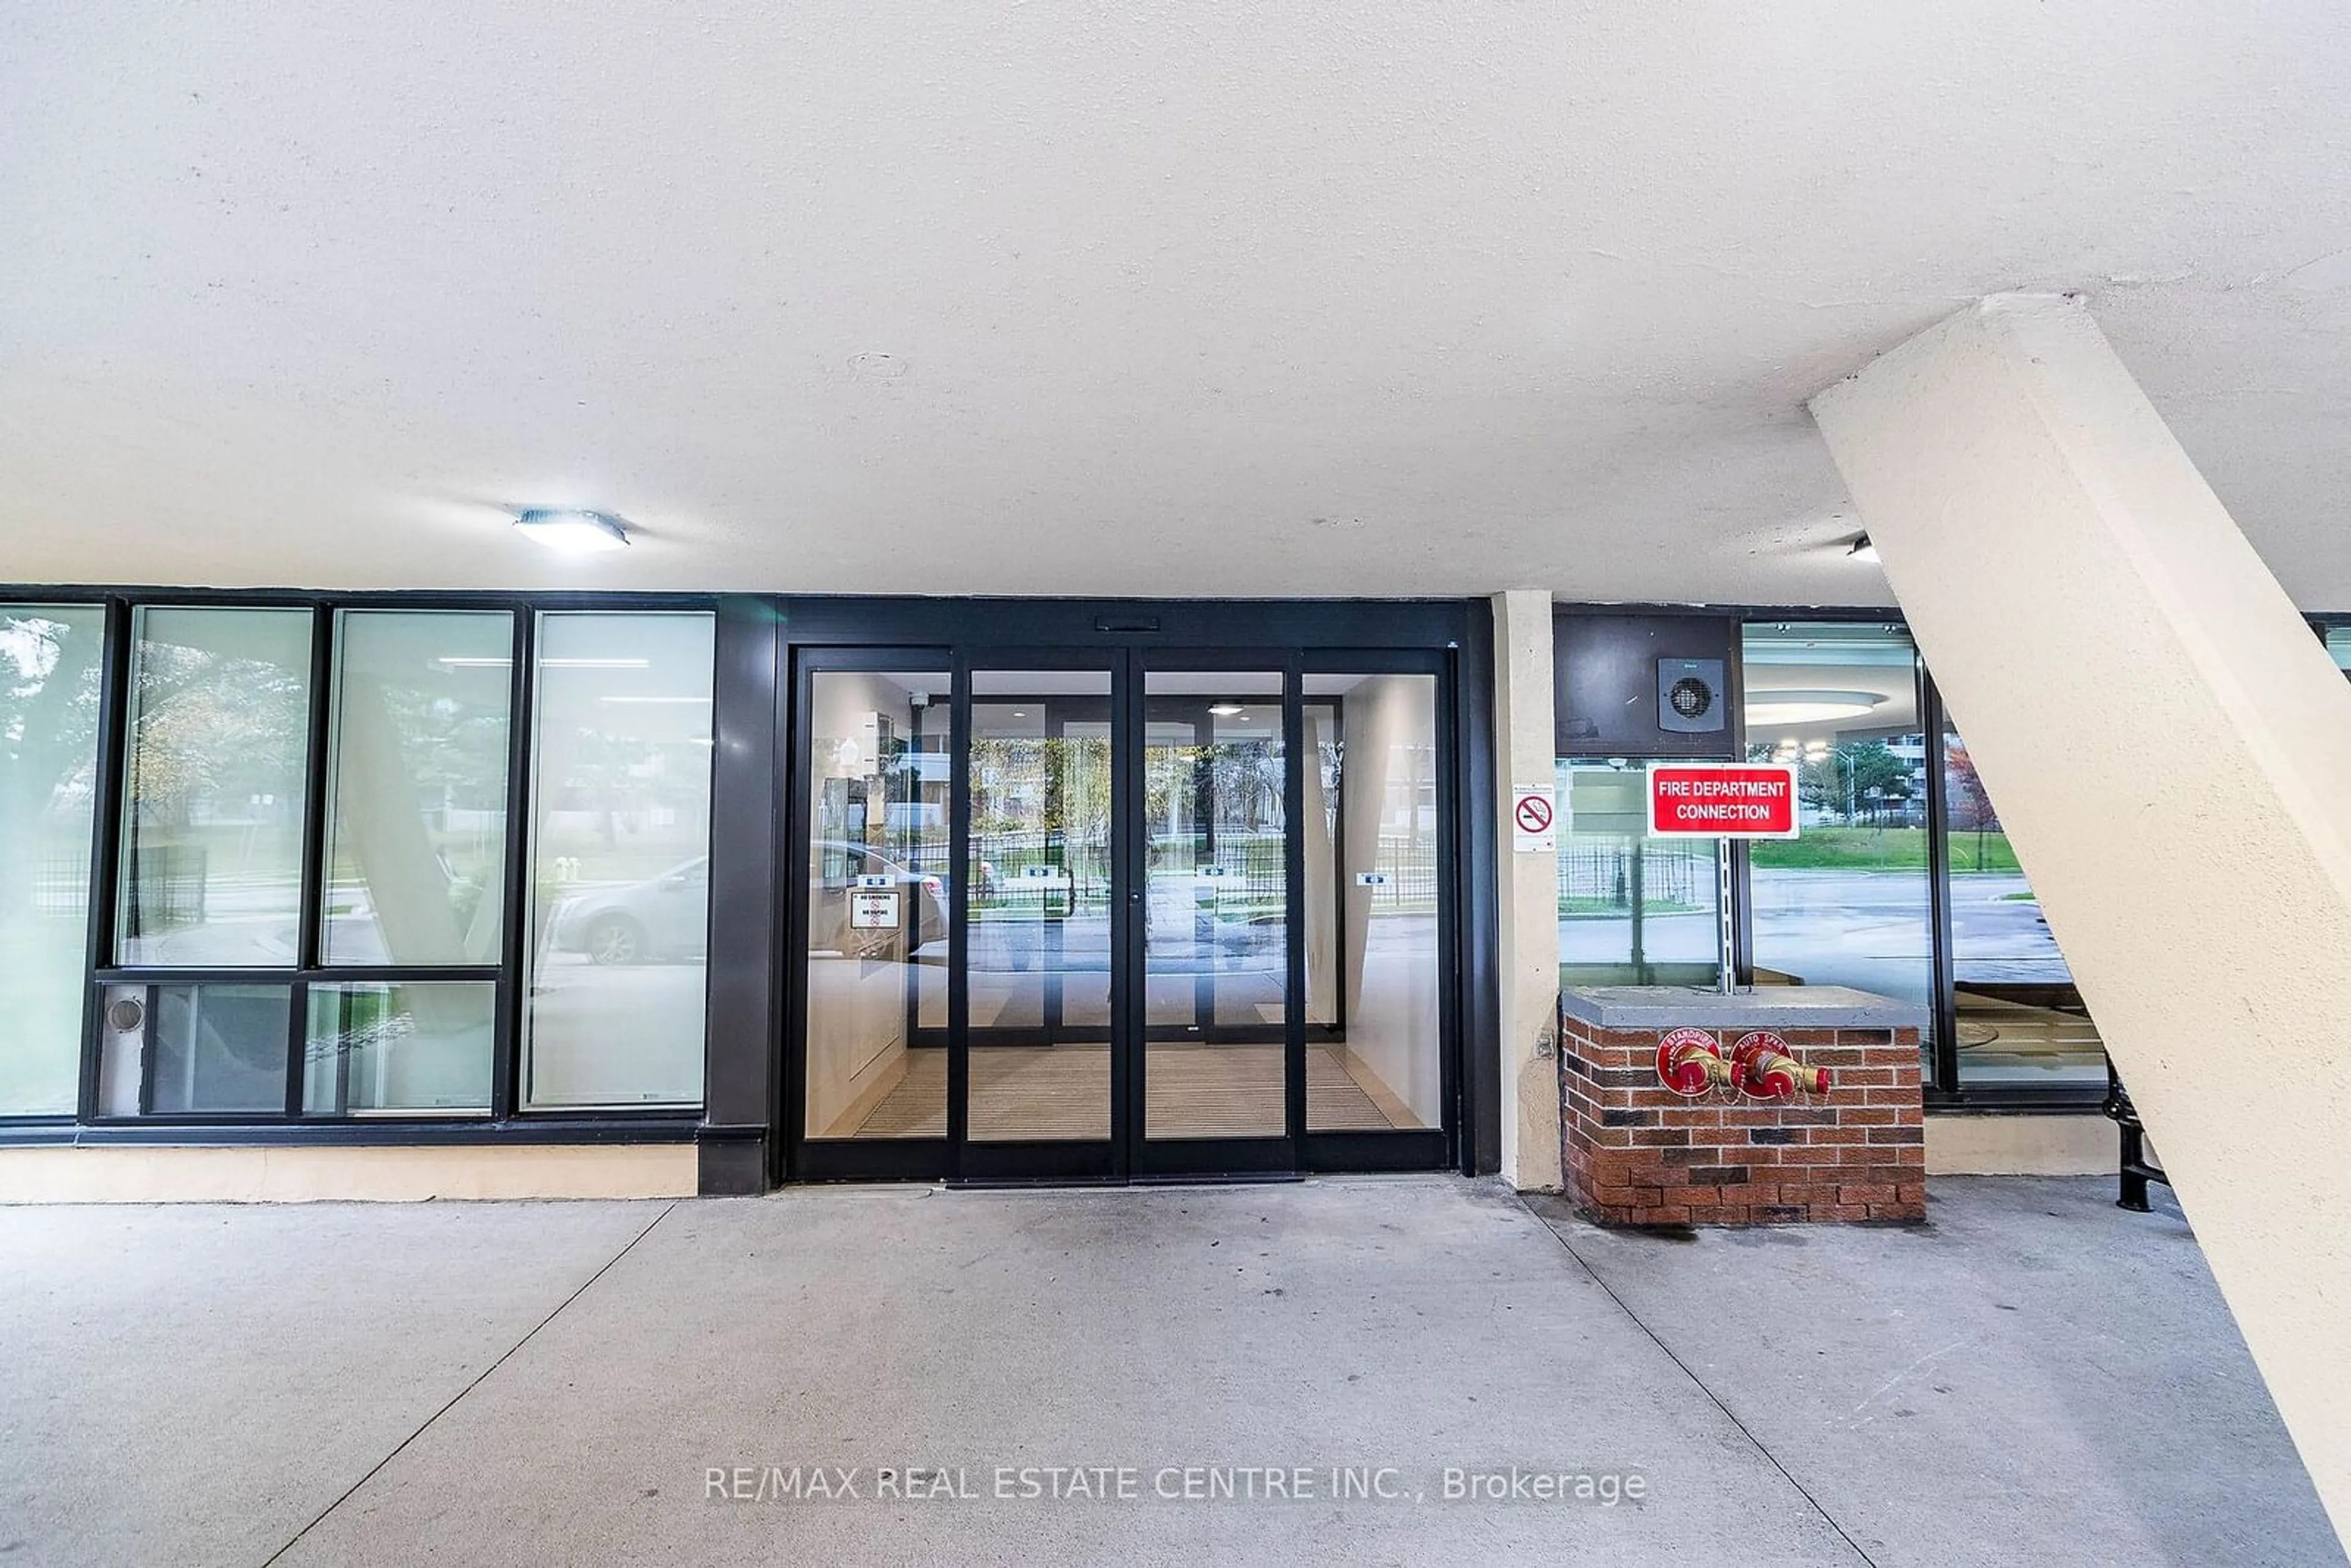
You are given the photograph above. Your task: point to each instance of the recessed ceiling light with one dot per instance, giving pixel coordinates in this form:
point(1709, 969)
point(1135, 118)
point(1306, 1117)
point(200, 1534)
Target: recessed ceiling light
point(1224, 710)
point(572, 530)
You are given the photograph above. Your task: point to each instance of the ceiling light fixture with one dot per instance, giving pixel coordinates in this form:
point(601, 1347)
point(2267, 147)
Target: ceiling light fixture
point(572, 530)
point(1224, 710)
point(1861, 549)
point(1770, 710)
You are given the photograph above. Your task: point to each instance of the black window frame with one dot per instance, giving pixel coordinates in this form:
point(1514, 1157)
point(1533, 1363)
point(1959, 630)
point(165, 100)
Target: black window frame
point(1944, 1090)
point(504, 1121)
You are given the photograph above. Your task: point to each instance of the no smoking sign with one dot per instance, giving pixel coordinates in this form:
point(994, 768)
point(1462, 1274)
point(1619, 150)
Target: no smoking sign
point(1531, 818)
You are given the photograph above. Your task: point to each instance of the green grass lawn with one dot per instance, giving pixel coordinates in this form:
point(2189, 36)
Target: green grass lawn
point(1879, 849)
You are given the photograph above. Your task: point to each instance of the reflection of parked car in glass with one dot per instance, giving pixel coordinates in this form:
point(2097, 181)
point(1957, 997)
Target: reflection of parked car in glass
point(842, 864)
point(666, 916)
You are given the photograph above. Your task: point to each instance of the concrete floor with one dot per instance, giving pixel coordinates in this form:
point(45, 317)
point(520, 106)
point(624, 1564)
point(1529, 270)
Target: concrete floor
point(2032, 1378)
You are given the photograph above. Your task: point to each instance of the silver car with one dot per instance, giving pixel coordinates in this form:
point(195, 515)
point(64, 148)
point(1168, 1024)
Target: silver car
point(667, 917)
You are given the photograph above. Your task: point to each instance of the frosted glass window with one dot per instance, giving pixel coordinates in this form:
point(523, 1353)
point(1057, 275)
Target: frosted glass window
point(416, 831)
point(50, 658)
point(619, 897)
point(412, 1048)
point(219, 760)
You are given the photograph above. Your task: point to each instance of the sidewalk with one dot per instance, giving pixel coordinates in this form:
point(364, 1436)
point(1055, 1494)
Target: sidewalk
point(2033, 1377)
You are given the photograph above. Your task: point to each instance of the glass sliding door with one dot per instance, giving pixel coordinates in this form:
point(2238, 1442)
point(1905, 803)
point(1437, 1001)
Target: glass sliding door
point(1216, 904)
point(1105, 915)
point(878, 864)
point(1038, 868)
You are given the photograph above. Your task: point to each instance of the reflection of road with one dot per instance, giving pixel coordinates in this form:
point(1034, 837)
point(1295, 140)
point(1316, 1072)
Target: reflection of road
point(1664, 939)
point(249, 922)
point(615, 1035)
point(1081, 943)
point(1997, 937)
point(1870, 929)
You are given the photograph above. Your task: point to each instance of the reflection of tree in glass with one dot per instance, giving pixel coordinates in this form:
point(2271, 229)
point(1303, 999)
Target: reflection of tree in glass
point(1857, 782)
point(454, 756)
point(1965, 797)
point(48, 726)
point(1041, 800)
point(215, 730)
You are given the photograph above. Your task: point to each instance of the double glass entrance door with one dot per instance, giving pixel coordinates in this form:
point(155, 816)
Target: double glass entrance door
point(1117, 915)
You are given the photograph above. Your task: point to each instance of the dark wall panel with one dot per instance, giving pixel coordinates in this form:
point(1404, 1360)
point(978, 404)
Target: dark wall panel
point(1605, 683)
point(736, 1136)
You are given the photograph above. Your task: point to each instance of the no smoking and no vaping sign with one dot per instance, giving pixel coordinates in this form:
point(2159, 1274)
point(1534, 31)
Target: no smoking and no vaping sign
point(1531, 821)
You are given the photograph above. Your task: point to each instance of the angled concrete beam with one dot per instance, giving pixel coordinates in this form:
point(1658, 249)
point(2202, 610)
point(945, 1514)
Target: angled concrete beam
point(2170, 748)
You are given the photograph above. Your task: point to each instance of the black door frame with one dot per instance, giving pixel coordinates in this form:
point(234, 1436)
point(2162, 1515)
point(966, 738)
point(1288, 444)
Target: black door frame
point(1450, 640)
point(1165, 1158)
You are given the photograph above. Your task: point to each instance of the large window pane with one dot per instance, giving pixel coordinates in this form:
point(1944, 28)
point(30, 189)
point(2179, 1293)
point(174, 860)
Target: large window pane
point(2021, 1021)
point(877, 873)
point(219, 758)
point(1847, 903)
point(50, 659)
point(411, 1048)
point(417, 825)
point(1373, 961)
point(620, 860)
point(1633, 910)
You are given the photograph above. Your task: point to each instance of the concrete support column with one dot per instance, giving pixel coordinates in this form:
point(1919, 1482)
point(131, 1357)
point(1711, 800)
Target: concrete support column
point(1528, 898)
point(2170, 752)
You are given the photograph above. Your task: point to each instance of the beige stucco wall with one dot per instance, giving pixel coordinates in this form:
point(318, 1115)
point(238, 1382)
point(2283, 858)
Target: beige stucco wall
point(368, 1175)
point(1528, 897)
point(2021, 1146)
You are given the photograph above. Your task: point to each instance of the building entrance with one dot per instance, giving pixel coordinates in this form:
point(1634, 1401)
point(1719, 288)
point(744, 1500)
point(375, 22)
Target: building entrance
point(1123, 913)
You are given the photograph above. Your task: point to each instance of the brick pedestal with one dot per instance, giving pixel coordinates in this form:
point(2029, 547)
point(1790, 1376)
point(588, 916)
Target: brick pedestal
point(1634, 1153)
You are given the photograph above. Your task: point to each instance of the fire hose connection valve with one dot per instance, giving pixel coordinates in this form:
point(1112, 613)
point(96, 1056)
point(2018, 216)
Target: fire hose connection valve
point(1762, 1067)
point(1689, 1062)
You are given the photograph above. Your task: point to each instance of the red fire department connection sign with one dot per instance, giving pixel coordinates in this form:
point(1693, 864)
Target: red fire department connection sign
point(1722, 799)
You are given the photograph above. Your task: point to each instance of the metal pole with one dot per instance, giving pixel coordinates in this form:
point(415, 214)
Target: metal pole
point(1726, 925)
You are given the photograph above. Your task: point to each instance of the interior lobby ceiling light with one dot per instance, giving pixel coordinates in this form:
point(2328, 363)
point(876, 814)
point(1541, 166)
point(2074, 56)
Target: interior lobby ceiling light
point(570, 530)
point(1224, 710)
point(1771, 709)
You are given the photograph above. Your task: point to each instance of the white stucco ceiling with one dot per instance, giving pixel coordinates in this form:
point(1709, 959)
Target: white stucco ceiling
point(1262, 298)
